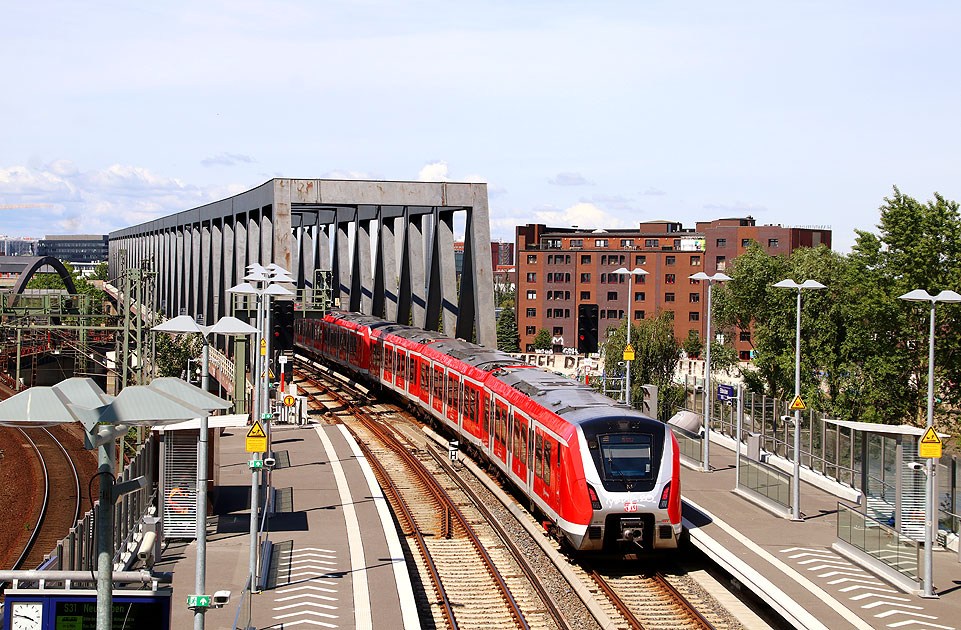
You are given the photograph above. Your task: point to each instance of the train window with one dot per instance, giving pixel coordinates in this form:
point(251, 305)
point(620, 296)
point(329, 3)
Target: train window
point(438, 384)
point(487, 415)
point(538, 456)
point(626, 455)
point(412, 370)
point(424, 376)
point(547, 462)
point(500, 416)
point(522, 441)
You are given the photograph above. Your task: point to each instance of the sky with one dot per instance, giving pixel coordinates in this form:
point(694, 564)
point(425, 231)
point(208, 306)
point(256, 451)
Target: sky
point(596, 114)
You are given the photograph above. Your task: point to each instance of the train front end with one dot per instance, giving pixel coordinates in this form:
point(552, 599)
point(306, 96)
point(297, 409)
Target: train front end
point(631, 468)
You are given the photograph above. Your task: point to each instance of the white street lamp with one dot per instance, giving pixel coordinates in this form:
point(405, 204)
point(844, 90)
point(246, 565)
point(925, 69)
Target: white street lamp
point(796, 491)
point(226, 326)
point(637, 271)
point(920, 295)
point(706, 448)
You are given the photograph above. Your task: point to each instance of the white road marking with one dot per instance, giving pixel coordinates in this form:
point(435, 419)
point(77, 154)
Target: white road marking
point(790, 549)
point(289, 606)
point(868, 580)
point(920, 623)
point(869, 588)
point(803, 555)
point(854, 573)
point(303, 595)
point(894, 597)
point(355, 543)
point(307, 612)
point(888, 613)
point(310, 621)
point(883, 603)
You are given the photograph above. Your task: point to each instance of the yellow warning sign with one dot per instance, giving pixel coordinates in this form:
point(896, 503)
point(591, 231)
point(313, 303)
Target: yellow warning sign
point(266, 372)
point(930, 444)
point(289, 400)
point(797, 404)
point(256, 441)
point(263, 347)
point(629, 353)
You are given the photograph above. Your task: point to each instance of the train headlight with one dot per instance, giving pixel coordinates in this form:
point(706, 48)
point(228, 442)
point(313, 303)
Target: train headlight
point(665, 495)
point(595, 502)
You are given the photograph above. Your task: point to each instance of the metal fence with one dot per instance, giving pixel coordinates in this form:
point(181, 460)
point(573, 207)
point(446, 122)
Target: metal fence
point(691, 445)
point(77, 550)
point(826, 448)
point(879, 541)
point(767, 481)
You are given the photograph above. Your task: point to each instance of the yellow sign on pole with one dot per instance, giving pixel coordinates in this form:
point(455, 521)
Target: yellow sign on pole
point(798, 404)
point(629, 353)
point(289, 400)
point(263, 347)
point(930, 444)
point(256, 441)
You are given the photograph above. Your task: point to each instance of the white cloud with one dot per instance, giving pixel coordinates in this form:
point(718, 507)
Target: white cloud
point(583, 215)
point(570, 179)
point(227, 159)
point(433, 172)
point(657, 192)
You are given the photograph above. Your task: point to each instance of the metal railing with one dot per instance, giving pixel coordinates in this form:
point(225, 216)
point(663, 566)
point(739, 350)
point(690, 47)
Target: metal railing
point(765, 480)
point(690, 444)
point(879, 541)
point(77, 550)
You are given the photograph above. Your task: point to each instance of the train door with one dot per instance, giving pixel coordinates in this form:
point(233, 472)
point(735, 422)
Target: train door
point(413, 372)
point(453, 404)
point(500, 428)
point(424, 382)
point(388, 364)
point(519, 447)
point(486, 422)
point(400, 369)
point(438, 389)
point(376, 348)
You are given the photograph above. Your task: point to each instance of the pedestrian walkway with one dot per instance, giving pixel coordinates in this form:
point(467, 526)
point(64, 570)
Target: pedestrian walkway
point(792, 564)
point(336, 560)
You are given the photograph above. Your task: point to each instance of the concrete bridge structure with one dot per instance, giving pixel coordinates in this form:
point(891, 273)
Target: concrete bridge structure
point(388, 245)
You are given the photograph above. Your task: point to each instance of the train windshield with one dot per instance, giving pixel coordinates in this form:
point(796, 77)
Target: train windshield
point(626, 456)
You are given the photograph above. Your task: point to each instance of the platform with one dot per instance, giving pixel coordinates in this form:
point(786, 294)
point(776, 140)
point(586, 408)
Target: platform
point(336, 562)
point(793, 566)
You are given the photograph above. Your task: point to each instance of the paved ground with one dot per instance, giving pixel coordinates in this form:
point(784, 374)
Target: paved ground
point(796, 559)
point(336, 560)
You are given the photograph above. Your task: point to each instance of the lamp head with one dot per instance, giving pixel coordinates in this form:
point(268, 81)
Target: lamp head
point(244, 288)
point(621, 271)
point(786, 284)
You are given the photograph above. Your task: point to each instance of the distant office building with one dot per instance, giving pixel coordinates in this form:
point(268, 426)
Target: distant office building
point(502, 256)
point(561, 269)
point(75, 247)
point(18, 246)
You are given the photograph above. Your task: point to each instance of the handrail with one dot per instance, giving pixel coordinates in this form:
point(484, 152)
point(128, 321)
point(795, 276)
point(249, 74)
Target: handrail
point(240, 605)
point(897, 556)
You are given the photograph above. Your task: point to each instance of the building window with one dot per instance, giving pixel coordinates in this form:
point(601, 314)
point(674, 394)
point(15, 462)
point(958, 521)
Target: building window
point(604, 260)
point(695, 281)
point(567, 312)
point(532, 312)
point(640, 260)
point(745, 335)
point(772, 242)
point(585, 295)
point(721, 242)
point(677, 243)
point(531, 258)
point(695, 261)
point(529, 347)
point(558, 331)
point(532, 295)
point(612, 314)
point(552, 243)
point(745, 355)
point(651, 242)
point(603, 314)
point(577, 242)
point(638, 314)
point(585, 277)
point(693, 316)
point(612, 295)
point(585, 259)
point(668, 297)
point(640, 279)
point(721, 263)
point(669, 260)
point(627, 242)
point(694, 298)
point(639, 296)
point(669, 278)
point(530, 330)
point(532, 277)
point(600, 242)
point(746, 242)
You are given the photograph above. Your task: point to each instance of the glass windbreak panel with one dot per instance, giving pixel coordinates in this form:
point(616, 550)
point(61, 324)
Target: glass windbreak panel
point(626, 456)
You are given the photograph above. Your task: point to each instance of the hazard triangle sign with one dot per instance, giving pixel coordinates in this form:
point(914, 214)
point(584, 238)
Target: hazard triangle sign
point(930, 444)
point(797, 404)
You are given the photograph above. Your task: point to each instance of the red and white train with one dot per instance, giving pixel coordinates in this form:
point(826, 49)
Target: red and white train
point(603, 473)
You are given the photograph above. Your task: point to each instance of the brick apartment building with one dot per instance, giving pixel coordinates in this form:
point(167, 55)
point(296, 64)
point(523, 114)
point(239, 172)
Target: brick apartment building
point(558, 269)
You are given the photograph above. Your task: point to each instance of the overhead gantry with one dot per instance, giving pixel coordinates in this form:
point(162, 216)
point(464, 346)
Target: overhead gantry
point(388, 245)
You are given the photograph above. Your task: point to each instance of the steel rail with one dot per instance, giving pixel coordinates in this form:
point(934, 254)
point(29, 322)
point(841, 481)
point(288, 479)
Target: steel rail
point(619, 604)
point(389, 439)
point(683, 602)
point(43, 509)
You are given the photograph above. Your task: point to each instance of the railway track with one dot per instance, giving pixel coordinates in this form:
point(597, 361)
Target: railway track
point(476, 580)
point(633, 596)
point(60, 507)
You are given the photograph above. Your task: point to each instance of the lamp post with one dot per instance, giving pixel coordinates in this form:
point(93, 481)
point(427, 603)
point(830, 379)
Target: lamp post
point(796, 490)
point(226, 326)
point(920, 295)
point(259, 275)
point(637, 271)
point(706, 448)
point(104, 418)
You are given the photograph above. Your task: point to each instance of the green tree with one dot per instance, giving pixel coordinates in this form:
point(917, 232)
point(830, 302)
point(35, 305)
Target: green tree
point(542, 340)
point(692, 345)
point(656, 353)
point(507, 338)
point(101, 272)
point(504, 295)
point(173, 352)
